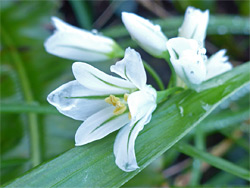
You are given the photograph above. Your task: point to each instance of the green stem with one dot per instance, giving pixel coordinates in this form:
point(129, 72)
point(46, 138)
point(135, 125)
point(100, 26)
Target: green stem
point(27, 108)
point(213, 160)
point(200, 144)
point(163, 95)
point(155, 76)
point(172, 82)
point(81, 11)
point(32, 117)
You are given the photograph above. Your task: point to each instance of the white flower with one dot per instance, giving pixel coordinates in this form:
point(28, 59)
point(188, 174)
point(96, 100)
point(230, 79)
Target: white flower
point(188, 59)
point(77, 44)
point(146, 34)
point(195, 25)
point(191, 64)
point(217, 64)
point(106, 103)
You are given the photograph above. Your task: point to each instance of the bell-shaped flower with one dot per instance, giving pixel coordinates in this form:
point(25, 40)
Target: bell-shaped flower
point(77, 44)
point(146, 34)
point(217, 64)
point(106, 103)
point(191, 63)
point(194, 25)
point(188, 59)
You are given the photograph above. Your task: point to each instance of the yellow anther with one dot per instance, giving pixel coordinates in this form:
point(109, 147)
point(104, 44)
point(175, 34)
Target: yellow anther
point(112, 100)
point(126, 97)
point(129, 116)
point(120, 108)
point(119, 104)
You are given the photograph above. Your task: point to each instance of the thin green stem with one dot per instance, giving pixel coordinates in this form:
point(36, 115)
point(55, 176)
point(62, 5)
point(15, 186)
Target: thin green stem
point(213, 160)
point(200, 144)
point(32, 117)
point(82, 13)
point(163, 95)
point(155, 76)
point(27, 108)
point(172, 82)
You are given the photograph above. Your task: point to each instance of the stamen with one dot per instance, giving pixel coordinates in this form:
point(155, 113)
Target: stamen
point(112, 100)
point(129, 116)
point(126, 97)
point(120, 108)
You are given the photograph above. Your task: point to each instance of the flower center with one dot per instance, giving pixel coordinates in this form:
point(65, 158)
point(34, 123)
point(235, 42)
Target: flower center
point(120, 106)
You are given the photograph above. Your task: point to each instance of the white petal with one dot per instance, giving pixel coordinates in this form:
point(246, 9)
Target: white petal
point(131, 68)
point(147, 35)
point(124, 146)
point(76, 108)
point(142, 102)
point(217, 64)
point(179, 45)
point(77, 44)
point(188, 59)
point(97, 80)
point(99, 125)
point(194, 25)
point(60, 25)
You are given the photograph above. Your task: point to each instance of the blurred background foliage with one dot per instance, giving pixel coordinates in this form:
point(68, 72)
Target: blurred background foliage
point(28, 74)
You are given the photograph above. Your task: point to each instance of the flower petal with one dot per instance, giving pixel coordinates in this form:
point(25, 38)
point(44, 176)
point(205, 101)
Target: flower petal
point(217, 64)
point(76, 108)
point(63, 26)
point(188, 59)
point(142, 102)
point(146, 34)
point(97, 80)
point(194, 25)
point(77, 44)
point(176, 46)
point(124, 146)
point(99, 125)
point(131, 68)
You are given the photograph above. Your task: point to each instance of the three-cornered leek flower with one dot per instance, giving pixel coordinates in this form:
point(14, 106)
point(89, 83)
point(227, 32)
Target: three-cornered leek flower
point(194, 25)
point(106, 103)
point(146, 34)
point(191, 63)
point(188, 60)
point(77, 44)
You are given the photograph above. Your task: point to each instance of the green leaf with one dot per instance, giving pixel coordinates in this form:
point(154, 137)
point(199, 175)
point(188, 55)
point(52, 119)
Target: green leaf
point(93, 165)
point(213, 160)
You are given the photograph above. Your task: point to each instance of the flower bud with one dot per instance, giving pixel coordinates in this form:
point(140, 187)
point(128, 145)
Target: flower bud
point(146, 34)
point(77, 44)
point(194, 25)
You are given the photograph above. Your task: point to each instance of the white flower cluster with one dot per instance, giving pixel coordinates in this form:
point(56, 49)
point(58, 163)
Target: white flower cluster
point(187, 52)
point(106, 103)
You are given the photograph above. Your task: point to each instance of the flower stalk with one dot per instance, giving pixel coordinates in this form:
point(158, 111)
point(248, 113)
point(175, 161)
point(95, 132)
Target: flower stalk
point(35, 140)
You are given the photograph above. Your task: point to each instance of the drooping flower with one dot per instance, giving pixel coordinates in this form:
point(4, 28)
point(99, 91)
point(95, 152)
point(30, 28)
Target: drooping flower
point(146, 34)
point(194, 25)
point(106, 103)
point(217, 64)
point(191, 63)
point(188, 59)
point(77, 44)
